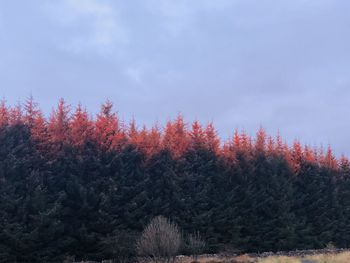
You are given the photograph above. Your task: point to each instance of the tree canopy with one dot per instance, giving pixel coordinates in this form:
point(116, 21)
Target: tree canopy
point(76, 185)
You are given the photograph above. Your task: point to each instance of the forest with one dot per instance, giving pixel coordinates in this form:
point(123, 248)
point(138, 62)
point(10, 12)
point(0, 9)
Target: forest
point(84, 186)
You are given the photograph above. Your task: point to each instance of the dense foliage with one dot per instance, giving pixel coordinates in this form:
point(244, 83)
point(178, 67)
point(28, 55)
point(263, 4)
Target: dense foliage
point(72, 185)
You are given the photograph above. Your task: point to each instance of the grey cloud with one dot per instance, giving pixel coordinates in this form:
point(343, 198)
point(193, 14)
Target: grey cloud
point(243, 63)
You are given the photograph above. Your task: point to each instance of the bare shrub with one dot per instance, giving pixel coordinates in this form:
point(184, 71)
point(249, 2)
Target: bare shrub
point(195, 245)
point(161, 240)
point(330, 246)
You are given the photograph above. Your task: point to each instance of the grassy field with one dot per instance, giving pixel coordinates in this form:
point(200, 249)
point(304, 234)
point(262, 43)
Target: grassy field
point(343, 257)
point(322, 258)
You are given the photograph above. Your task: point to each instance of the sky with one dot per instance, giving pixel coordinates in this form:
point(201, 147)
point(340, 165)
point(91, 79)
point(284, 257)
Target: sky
point(283, 65)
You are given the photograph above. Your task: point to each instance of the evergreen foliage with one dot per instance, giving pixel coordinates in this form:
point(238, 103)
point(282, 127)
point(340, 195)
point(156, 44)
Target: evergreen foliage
point(74, 186)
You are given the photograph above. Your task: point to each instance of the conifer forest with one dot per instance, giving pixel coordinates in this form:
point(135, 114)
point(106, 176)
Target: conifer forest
point(72, 184)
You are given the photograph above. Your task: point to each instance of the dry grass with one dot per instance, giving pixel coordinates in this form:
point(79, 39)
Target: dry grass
point(279, 259)
point(219, 259)
point(243, 259)
point(343, 257)
point(322, 258)
point(331, 258)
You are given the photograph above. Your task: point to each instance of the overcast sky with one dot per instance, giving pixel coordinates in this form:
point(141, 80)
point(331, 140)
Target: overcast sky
point(282, 64)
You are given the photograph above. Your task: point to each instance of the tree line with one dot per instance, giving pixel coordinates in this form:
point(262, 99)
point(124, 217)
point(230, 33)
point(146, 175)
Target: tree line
point(72, 185)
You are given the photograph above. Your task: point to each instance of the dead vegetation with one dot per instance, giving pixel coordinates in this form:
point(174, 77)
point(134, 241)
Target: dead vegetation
point(299, 257)
point(341, 257)
point(160, 240)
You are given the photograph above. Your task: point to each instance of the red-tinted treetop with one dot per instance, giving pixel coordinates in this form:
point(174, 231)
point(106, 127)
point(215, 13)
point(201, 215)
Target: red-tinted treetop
point(108, 133)
point(81, 127)
point(58, 126)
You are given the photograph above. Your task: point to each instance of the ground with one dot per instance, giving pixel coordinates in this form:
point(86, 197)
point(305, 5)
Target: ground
point(290, 257)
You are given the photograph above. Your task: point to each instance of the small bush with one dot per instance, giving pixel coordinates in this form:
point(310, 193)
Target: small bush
point(195, 245)
point(160, 240)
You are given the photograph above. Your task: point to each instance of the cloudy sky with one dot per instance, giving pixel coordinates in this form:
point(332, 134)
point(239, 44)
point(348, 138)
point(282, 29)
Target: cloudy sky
point(282, 64)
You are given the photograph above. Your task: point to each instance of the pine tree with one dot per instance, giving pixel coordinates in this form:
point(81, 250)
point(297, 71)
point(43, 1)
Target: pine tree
point(75, 186)
point(342, 233)
point(32, 113)
point(212, 140)
point(197, 136)
point(176, 137)
point(108, 132)
point(4, 114)
point(260, 144)
point(81, 128)
point(58, 126)
point(296, 156)
point(15, 115)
